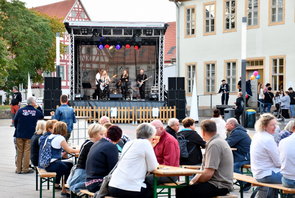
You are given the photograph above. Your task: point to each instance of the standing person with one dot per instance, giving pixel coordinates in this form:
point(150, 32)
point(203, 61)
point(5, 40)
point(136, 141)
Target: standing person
point(194, 143)
point(260, 97)
point(105, 85)
point(102, 158)
point(58, 143)
point(220, 123)
point(267, 85)
point(66, 114)
point(268, 100)
point(40, 129)
point(173, 126)
point(292, 103)
point(138, 158)
point(96, 94)
point(239, 106)
point(224, 89)
point(77, 182)
point(248, 89)
point(264, 154)
point(124, 83)
point(277, 100)
point(141, 83)
point(285, 104)
point(217, 178)
point(15, 103)
point(25, 123)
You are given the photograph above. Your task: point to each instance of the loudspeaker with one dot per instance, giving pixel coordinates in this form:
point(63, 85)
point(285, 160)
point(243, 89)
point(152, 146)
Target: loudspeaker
point(171, 83)
point(52, 83)
point(180, 83)
point(47, 112)
point(176, 94)
point(180, 114)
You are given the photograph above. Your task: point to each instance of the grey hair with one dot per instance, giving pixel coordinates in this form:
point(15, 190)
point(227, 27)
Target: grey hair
point(15, 87)
point(145, 131)
point(172, 121)
point(290, 126)
point(31, 100)
point(234, 121)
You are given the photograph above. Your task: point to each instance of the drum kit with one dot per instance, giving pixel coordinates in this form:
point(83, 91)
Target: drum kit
point(132, 93)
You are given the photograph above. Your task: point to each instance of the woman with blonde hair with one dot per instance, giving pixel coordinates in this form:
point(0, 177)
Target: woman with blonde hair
point(264, 154)
point(40, 129)
point(59, 143)
point(78, 179)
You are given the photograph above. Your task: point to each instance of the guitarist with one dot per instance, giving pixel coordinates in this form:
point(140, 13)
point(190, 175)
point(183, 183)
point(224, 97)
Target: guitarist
point(104, 84)
point(140, 80)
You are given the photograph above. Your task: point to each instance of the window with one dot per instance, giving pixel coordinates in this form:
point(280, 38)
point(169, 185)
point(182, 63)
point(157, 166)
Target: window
point(190, 29)
point(252, 12)
point(231, 77)
point(276, 11)
point(210, 77)
point(209, 16)
point(255, 63)
point(62, 72)
point(278, 67)
point(230, 15)
point(191, 71)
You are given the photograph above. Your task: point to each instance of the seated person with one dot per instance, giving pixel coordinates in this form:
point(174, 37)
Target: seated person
point(288, 130)
point(78, 179)
point(138, 158)
point(40, 129)
point(173, 126)
point(49, 127)
point(104, 119)
point(194, 144)
point(220, 123)
point(167, 151)
point(61, 167)
point(217, 178)
point(102, 158)
point(264, 154)
point(287, 157)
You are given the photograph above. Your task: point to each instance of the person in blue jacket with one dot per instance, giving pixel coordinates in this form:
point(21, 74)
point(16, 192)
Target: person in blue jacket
point(25, 123)
point(66, 114)
point(238, 138)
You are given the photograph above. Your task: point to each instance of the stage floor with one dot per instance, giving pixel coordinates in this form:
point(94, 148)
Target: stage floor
point(118, 103)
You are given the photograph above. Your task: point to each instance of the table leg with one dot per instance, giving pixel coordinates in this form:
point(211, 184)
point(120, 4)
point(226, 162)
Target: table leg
point(155, 185)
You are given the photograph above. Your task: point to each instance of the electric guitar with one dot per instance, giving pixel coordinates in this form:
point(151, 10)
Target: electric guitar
point(105, 83)
point(139, 84)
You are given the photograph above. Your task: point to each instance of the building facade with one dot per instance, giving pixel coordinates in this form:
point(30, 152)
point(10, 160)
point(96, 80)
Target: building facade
point(210, 45)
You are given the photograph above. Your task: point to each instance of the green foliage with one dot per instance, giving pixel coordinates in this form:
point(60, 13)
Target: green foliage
point(30, 42)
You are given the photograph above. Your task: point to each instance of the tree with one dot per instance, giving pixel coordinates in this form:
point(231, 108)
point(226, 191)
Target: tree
point(30, 42)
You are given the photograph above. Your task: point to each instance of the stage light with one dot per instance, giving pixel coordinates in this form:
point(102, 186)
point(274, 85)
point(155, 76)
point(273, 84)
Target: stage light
point(136, 47)
point(111, 47)
point(100, 46)
point(127, 46)
point(118, 46)
point(107, 46)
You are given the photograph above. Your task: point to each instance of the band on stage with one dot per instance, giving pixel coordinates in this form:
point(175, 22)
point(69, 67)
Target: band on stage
point(103, 81)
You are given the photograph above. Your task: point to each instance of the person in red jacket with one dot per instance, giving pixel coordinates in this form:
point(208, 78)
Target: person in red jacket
point(167, 151)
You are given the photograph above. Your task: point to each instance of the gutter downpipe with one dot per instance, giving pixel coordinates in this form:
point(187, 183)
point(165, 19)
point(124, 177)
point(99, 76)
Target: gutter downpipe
point(178, 4)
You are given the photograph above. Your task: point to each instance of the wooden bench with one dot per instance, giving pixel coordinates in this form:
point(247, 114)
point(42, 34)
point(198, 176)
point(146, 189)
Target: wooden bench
point(48, 177)
point(91, 194)
point(254, 182)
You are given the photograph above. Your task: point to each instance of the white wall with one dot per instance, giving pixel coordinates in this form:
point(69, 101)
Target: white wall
point(264, 42)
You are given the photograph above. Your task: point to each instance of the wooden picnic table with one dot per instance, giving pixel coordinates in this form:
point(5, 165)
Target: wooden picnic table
point(171, 171)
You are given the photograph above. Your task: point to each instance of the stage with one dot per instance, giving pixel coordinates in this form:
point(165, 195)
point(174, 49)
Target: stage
point(118, 103)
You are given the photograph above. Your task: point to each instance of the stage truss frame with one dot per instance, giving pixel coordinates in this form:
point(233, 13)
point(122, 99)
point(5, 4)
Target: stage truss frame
point(136, 31)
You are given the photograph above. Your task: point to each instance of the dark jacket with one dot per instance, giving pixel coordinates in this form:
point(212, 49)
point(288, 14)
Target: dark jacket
point(35, 149)
point(171, 131)
point(101, 159)
point(16, 98)
point(238, 138)
point(25, 121)
point(224, 88)
point(85, 148)
point(196, 141)
point(292, 96)
point(239, 105)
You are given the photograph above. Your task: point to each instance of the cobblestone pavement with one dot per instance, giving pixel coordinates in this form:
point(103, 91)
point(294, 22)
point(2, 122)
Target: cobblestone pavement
point(23, 185)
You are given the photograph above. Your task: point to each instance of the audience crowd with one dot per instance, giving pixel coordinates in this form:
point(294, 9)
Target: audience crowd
point(220, 148)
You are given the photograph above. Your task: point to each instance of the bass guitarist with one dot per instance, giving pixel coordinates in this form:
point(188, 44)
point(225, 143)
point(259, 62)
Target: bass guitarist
point(140, 79)
point(104, 85)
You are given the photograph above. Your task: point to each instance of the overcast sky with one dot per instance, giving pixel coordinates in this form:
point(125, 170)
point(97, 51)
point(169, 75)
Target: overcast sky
point(122, 10)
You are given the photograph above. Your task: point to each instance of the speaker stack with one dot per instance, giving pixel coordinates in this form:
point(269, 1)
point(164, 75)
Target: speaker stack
point(52, 93)
point(176, 96)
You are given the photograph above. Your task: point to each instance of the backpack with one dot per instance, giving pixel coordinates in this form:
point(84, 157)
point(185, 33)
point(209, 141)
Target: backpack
point(184, 153)
point(45, 152)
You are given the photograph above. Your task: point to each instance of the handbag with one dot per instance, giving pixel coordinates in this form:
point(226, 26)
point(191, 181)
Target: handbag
point(104, 187)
